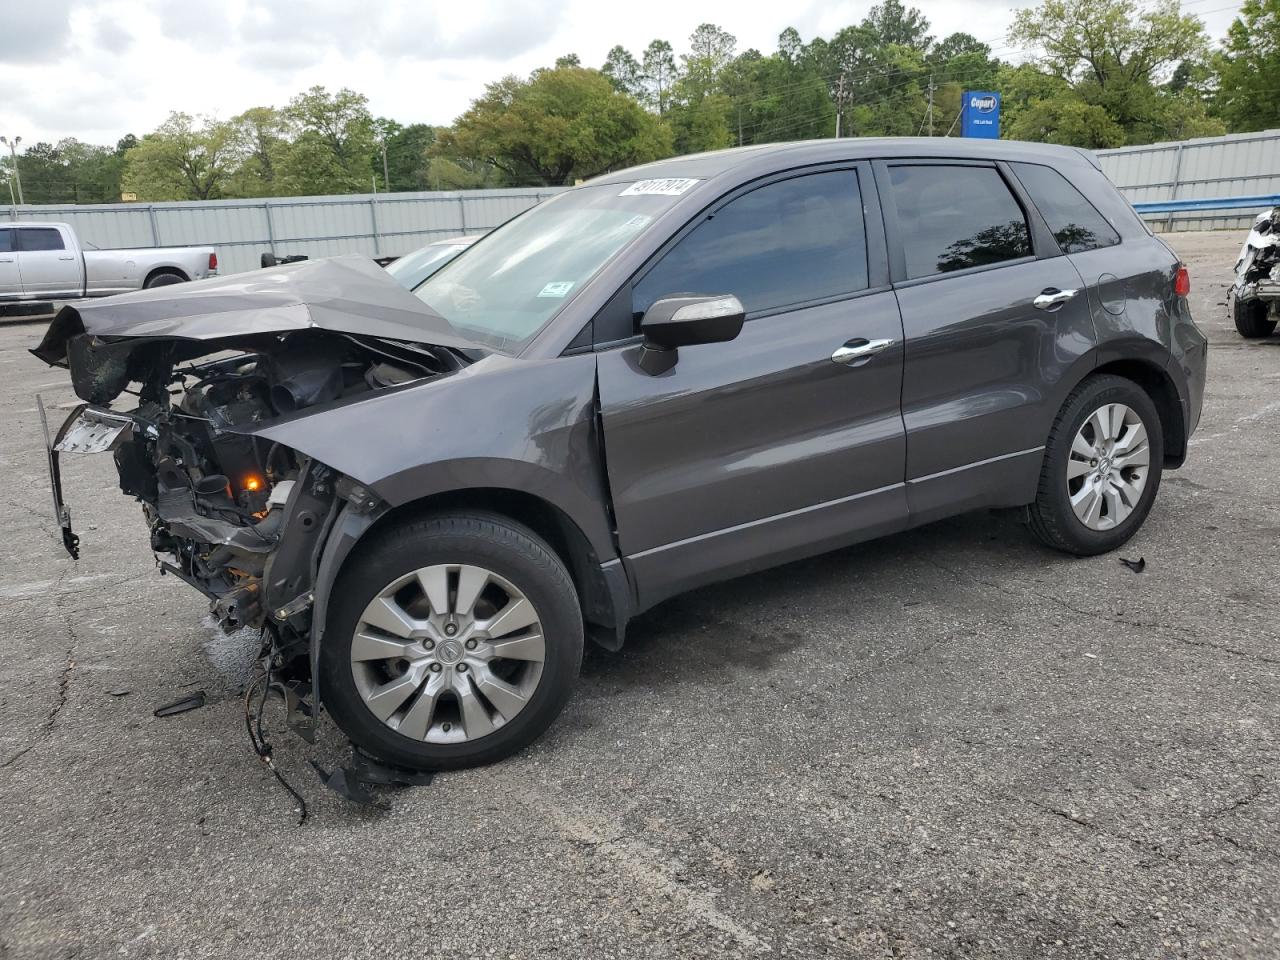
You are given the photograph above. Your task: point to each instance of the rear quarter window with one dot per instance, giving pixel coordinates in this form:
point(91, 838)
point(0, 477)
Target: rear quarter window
point(1076, 223)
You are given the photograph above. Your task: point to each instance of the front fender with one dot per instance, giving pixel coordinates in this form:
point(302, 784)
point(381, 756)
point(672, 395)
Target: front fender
point(504, 423)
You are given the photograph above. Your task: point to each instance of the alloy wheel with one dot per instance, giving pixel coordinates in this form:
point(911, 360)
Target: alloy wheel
point(448, 653)
point(1108, 466)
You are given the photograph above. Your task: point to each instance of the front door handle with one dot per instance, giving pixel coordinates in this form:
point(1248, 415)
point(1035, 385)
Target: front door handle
point(66, 258)
point(1053, 298)
point(859, 349)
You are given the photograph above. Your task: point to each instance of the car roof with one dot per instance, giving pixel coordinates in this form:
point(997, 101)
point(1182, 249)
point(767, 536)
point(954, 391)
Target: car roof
point(800, 152)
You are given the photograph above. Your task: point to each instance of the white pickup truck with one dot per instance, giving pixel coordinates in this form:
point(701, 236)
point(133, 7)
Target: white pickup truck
point(46, 261)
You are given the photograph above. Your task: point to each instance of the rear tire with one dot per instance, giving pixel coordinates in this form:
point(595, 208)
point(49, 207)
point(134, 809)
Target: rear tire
point(1078, 463)
point(163, 280)
point(1252, 318)
point(477, 698)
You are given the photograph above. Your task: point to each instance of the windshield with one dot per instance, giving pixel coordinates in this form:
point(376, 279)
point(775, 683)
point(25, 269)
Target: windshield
point(411, 269)
point(512, 282)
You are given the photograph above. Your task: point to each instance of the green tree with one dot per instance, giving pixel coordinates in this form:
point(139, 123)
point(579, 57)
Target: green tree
point(333, 143)
point(660, 75)
point(700, 114)
point(263, 134)
point(1115, 60)
point(185, 158)
point(559, 125)
point(1248, 68)
point(407, 147)
point(624, 72)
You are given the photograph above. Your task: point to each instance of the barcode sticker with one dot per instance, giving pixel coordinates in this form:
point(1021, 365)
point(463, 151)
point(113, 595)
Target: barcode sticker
point(668, 187)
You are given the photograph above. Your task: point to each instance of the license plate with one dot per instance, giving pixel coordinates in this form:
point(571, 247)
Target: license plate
point(93, 431)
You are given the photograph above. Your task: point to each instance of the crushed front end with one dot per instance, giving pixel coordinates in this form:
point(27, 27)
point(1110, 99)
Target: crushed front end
point(240, 518)
point(1258, 266)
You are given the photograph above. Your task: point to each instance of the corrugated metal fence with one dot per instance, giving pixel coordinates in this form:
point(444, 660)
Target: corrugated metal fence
point(1241, 164)
point(385, 224)
point(390, 224)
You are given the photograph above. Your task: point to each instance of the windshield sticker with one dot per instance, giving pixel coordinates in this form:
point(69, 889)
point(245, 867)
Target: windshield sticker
point(556, 288)
point(668, 187)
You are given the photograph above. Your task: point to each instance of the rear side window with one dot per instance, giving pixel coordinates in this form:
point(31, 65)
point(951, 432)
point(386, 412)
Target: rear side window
point(953, 218)
point(39, 238)
point(783, 244)
point(6, 241)
point(1075, 222)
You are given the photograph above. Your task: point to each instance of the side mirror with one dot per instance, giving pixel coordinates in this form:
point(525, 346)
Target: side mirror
point(684, 320)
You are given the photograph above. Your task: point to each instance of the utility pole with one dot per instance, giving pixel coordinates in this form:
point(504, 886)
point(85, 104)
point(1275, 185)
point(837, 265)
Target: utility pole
point(931, 89)
point(13, 152)
point(386, 179)
point(839, 103)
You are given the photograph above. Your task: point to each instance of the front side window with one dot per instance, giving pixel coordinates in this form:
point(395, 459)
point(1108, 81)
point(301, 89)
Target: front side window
point(783, 244)
point(6, 241)
point(32, 239)
point(1076, 223)
point(956, 217)
point(510, 284)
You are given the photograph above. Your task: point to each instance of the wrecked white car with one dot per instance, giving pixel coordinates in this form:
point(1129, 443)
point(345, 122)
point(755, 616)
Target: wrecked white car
point(1257, 288)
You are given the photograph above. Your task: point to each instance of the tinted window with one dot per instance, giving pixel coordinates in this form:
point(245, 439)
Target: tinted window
point(952, 218)
point(787, 243)
point(6, 241)
point(1076, 224)
point(40, 238)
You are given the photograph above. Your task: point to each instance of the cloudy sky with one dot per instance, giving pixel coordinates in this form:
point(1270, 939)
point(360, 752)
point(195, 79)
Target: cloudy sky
point(98, 69)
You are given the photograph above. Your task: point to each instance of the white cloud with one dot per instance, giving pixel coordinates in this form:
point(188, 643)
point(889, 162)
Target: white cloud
point(98, 69)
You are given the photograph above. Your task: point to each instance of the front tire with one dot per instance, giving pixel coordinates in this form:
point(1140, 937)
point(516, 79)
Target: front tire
point(1102, 468)
point(453, 641)
point(1252, 318)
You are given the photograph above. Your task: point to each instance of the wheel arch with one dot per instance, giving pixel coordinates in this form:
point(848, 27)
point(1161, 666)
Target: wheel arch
point(163, 269)
point(603, 592)
point(1159, 386)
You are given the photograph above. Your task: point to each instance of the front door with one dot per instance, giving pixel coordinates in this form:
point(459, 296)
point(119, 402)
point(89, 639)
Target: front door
point(996, 319)
point(48, 268)
point(763, 449)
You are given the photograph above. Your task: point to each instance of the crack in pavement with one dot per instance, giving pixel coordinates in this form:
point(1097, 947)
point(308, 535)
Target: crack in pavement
point(64, 678)
point(1164, 629)
point(1153, 849)
point(1256, 783)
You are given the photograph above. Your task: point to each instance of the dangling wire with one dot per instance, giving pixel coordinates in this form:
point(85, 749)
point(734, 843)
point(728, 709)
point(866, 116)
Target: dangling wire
point(253, 724)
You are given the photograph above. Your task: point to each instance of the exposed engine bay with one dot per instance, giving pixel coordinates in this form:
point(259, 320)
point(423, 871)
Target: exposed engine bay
point(239, 518)
point(1258, 266)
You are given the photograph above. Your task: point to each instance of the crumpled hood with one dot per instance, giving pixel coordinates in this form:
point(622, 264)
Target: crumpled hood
point(349, 294)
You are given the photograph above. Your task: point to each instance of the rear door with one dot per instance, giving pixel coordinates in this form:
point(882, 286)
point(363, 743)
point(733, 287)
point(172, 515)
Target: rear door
point(10, 279)
point(765, 448)
point(48, 267)
point(994, 318)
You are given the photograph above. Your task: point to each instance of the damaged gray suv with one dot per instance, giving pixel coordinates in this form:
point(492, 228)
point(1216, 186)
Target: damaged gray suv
point(669, 376)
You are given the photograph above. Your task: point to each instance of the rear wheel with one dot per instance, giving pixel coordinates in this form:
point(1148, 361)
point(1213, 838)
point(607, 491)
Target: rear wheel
point(163, 279)
point(1102, 468)
point(453, 641)
point(1252, 318)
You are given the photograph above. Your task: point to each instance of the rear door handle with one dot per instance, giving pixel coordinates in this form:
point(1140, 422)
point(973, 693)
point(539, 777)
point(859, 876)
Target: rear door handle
point(66, 258)
point(6, 259)
point(859, 349)
point(1053, 298)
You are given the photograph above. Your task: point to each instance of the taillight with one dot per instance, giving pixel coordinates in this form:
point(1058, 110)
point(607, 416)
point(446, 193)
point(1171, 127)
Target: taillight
point(1182, 281)
point(213, 261)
